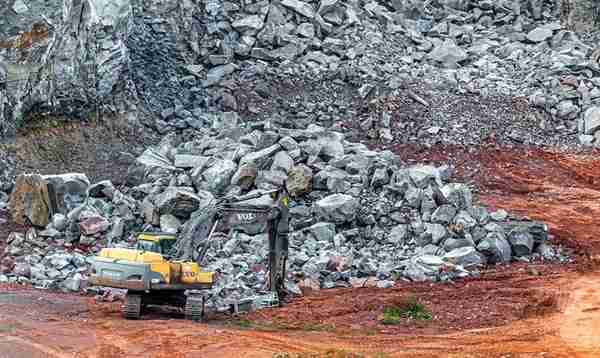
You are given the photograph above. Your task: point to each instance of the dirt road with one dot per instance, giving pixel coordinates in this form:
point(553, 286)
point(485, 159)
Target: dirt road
point(36, 324)
point(524, 310)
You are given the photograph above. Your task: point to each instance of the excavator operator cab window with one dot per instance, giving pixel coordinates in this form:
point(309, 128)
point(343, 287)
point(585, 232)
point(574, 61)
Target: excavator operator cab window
point(147, 245)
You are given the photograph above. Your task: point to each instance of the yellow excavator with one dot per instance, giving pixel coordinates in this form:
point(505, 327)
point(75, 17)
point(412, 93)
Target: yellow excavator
point(152, 275)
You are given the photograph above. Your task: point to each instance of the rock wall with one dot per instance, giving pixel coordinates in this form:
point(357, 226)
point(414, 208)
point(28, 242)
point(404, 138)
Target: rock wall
point(173, 64)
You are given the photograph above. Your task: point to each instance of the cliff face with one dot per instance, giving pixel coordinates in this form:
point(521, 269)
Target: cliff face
point(164, 66)
point(66, 62)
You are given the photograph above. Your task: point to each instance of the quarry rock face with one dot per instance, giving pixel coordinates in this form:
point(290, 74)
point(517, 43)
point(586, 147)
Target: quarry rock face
point(311, 96)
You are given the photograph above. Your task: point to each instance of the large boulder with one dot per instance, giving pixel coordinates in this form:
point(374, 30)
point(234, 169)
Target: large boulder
point(93, 225)
point(103, 189)
point(539, 34)
point(443, 214)
point(458, 195)
point(180, 202)
point(495, 247)
point(66, 191)
point(245, 176)
point(423, 268)
point(448, 53)
point(338, 208)
point(260, 157)
point(217, 176)
point(29, 201)
point(299, 180)
point(591, 120)
point(465, 256)
point(521, 242)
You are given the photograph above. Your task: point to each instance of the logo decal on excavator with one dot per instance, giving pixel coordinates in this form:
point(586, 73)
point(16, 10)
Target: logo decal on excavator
point(246, 217)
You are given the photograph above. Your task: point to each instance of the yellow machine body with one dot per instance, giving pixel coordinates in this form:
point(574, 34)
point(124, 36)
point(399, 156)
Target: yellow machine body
point(172, 272)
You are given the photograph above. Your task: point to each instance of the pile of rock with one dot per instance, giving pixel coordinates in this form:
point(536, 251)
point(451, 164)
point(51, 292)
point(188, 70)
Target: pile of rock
point(358, 217)
point(176, 65)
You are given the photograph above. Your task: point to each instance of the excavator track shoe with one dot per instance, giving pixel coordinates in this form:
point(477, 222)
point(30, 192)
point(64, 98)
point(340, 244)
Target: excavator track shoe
point(133, 306)
point(194, 308)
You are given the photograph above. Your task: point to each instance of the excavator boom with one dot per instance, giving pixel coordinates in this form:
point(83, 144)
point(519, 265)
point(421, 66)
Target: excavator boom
point(276, 216)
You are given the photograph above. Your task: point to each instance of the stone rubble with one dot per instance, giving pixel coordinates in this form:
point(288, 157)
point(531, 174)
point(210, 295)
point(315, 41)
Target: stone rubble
point(358, 217)
point(182, 66)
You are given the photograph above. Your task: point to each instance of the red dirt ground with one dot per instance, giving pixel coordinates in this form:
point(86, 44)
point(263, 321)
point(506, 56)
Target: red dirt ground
point(522, 310)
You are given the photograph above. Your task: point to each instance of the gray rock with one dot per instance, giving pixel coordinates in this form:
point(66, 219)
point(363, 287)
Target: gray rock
point(464, 219)
point(443, 214)
point(306, 30)
point(258, 158)
point(22, 269)
point(169, 223)
point(59, 222)
point(399, 234)
point(591, 120)
point(216, 74)
point(546, 251)
point(181, 203)
point(437, 231)
point(322, 231)
point(521, 242)
point(423, 268)
point(499, 215)
point(249, 23)
point(282, 162)
point(422, 175)
point(288, 143)
point(480, 214)
point(337, 208)
point(102, 189)
point(190, 161)
point(539, 34)
point(217, 176)
point(385, 283)
point(459, 195)
point(75, 283)
point(537, 229)
point(301, 7)
point(495, 247)
point(116, 231)
point(454, 243)
point(270, 179)
point(413, 197)
point(465, 256)
point(448, 53)
point(380, 177)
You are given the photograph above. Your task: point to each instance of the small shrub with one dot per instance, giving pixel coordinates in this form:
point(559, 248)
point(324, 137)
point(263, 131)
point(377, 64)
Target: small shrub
point(410, 309)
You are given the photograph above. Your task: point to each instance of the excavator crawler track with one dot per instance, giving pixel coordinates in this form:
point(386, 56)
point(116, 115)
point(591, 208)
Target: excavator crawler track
point(133, 306)
point(194, 308)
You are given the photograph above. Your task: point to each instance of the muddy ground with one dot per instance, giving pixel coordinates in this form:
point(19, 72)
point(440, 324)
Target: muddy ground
point(520, 310)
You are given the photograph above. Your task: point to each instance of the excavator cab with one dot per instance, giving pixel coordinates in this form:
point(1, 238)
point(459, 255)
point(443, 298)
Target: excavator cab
point(161, 243)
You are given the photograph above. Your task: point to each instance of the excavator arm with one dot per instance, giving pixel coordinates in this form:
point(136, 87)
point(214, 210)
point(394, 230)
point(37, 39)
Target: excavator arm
point(276, 216)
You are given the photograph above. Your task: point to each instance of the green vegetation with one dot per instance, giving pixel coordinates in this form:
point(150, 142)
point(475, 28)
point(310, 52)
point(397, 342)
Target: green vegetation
point(410, 309)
